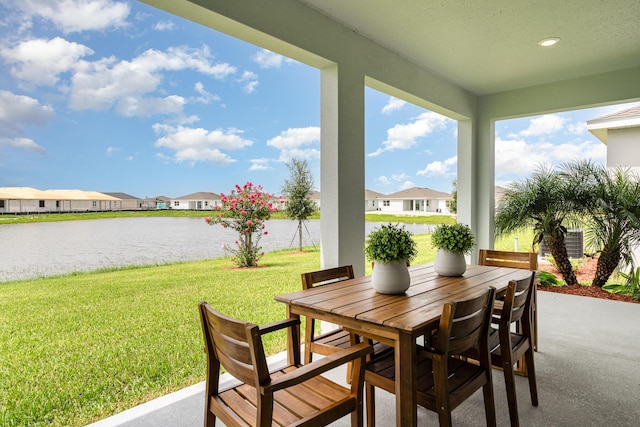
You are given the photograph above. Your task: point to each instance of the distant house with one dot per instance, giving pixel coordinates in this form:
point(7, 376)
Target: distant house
point(158, 202)
point(32, 200)
point(416, 199)
point(499, 193)
point(620, 132)
point(196, 201)
point(372, 200)
point(127, 201)
point(315, 196)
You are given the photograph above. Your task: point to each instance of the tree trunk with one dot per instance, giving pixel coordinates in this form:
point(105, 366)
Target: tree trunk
point(607, 263)
point(300, 235)
point(558, 248)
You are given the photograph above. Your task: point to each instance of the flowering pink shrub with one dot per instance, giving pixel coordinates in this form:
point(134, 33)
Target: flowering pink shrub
point(245, 210)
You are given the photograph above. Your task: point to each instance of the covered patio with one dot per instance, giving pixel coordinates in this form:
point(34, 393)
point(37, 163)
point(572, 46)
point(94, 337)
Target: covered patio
point(474, 62)
point(586, 369)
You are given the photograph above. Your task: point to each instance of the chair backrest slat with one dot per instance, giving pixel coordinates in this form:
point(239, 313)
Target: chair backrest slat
point(523, 260)
point(235, 345)
point(517, 302)
point(463, 322)
point(324, 277)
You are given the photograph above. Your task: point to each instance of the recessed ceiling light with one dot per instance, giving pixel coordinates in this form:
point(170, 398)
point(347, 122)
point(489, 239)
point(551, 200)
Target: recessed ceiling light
point(549, 41)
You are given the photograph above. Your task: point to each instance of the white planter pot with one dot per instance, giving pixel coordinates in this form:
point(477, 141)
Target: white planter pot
point(391, 278)
point(449, 263)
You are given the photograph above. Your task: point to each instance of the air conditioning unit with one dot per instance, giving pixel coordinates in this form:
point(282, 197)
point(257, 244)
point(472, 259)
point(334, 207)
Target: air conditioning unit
point(574, 241)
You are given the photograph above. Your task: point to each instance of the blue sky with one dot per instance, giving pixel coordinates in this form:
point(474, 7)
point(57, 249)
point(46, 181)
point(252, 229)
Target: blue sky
point(110, 96)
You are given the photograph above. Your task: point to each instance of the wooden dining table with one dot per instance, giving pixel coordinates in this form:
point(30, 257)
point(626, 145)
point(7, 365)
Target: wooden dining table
point(397, 320)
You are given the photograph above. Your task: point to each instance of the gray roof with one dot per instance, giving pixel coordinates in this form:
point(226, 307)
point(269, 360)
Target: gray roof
point(122, 196)
point(419, 193)
point(370, 194)
point(627, 118)
point(201, 195)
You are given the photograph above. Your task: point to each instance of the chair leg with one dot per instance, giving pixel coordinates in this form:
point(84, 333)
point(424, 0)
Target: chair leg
point(308, 337)
point(371, 405)
point(510, 385)
point(489, 404)
point(531, 373)
point(209, 419)
point(534, 320)
point(444, 416)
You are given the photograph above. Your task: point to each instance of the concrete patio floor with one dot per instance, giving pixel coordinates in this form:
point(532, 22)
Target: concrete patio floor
point(588, 372)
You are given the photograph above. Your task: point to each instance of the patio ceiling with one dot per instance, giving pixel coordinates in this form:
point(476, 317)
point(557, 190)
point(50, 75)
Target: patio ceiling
point(492, 46)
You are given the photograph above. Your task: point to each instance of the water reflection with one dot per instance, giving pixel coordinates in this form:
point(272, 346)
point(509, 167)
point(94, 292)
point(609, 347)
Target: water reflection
point(38, 249)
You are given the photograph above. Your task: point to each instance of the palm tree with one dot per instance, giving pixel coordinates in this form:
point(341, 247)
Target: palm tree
point(539, 202)
point(610, 200)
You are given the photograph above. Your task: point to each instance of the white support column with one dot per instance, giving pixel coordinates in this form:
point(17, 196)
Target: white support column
point(476, 180)
point(342, 160)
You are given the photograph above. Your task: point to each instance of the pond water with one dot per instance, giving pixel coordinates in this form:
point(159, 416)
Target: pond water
point(41, 249)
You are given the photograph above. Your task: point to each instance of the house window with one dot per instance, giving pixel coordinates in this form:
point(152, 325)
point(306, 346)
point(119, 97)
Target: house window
point(57, 203)
point(386, 203)
point(41, 203)
point(206, 204)
point(176, 203)
point(94, 204)
point(427, 202)
point(1, 204)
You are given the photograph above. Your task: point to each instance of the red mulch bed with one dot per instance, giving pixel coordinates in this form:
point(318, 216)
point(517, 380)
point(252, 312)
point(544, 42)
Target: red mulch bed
point(585, 274)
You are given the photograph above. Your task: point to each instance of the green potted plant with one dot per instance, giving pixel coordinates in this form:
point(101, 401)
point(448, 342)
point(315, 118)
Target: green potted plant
point(391, 248)
point(453, 243)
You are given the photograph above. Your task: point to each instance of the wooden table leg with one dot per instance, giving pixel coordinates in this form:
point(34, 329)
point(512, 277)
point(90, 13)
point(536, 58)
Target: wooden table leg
point(406, 383)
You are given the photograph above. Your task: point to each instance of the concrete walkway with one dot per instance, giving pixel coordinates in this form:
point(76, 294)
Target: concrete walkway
point(588, 372)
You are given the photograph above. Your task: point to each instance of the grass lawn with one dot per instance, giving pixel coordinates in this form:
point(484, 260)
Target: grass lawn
point(82, 347)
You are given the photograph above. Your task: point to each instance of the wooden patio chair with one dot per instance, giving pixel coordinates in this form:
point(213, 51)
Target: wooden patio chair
point(296, 394)
point(507, 347)
point(445, 381)
point(524, 260)
point(336, 339)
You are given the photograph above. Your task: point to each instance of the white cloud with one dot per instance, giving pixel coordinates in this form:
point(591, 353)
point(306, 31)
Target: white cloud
point(27, 144)
point(76, 15)
point(205, 97)
point(407, 184)
point(393, 104)
point(146, 107)
point(18, 112)
point(439, 168)
point(40, 61)
point(579, 128)
point(194, 145)
point(250, 80)
point(164, 26)
point(296, 142)
point(107, 82)
point(544, 125)
point(405, 136)
point(383, 180)
point(267, 59)
point(112, 150)
point(520, 158)
point(260, 165)
point(399, 177)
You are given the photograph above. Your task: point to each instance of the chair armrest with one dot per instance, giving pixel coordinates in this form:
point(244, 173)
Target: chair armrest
point(275, 326)
point(317, 367)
